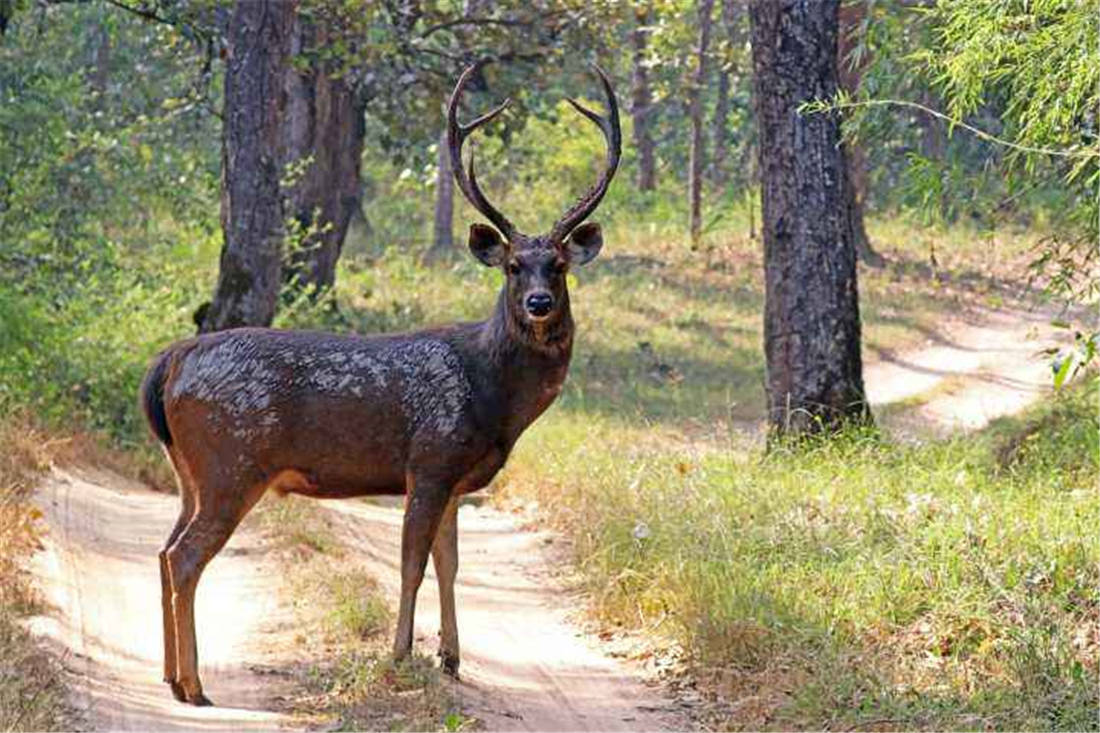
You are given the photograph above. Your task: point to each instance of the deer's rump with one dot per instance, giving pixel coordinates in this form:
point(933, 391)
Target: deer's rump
point(330, 415)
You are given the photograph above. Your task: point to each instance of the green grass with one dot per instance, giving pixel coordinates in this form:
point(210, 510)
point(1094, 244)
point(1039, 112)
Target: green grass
point(945, 585)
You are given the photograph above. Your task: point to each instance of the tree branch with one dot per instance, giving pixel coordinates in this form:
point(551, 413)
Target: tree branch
point(827, 106)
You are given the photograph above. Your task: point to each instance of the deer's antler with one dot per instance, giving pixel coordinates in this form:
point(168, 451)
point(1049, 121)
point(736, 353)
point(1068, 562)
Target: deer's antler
point(456, 135)
point(609, 125)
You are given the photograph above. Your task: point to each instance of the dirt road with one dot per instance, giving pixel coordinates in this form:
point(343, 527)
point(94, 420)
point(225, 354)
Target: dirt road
point(526, 664)
point(976, 369)
point(99, 571)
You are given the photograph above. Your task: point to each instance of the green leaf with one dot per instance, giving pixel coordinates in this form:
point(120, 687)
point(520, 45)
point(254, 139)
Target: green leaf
point(1063, 371)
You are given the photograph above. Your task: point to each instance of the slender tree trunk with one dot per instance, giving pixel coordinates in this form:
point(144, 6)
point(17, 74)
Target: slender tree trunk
point(718, 128)
point(642, 100)
point(443, 236)
point(323, 136)
point(720, 132)
point(698, 152)
point(811, 311)
point(849, 72)
point(252, 209)
point(443, 222)
point(101, 64)
point(933, 142)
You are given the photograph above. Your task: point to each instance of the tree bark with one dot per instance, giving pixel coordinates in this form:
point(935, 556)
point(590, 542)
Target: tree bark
point(849, 72)
point(324, 132)
point(642, 100)
point(252, 209)
point(443, 230)
point(698, 152)
point(811, 311)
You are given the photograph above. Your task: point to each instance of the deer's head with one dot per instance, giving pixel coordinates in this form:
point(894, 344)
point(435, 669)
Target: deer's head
point(534, 266)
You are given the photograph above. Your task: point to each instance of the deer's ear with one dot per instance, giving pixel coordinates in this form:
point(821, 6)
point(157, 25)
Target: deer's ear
point(585, 243)
point(486, 245)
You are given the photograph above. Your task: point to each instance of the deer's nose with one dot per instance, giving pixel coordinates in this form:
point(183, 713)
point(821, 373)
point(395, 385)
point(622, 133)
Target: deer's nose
point(539, 304)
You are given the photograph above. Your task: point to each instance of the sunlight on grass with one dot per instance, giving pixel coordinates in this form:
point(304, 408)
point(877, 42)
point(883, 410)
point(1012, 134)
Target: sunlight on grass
point(929, 583)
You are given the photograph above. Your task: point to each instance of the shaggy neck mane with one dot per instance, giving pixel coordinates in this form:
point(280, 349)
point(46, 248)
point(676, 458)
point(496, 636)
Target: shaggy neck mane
point(507, 334)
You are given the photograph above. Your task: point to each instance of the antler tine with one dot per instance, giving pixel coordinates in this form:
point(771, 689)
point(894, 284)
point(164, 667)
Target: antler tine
point(477, 122)
point(456, 136)
point(609, 125)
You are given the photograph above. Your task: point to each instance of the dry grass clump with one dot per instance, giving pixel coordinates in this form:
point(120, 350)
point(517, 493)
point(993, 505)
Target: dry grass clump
point(31, 690)
point(345, 628)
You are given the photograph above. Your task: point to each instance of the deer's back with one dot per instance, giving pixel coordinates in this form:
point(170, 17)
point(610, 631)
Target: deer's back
point(350, 412)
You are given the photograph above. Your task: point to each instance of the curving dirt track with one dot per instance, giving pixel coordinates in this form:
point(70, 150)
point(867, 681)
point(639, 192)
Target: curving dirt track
point(526, 665)
point(974, 370)
point(99, 572)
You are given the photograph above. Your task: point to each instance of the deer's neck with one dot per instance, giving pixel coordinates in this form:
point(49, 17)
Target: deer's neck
point(530, 360)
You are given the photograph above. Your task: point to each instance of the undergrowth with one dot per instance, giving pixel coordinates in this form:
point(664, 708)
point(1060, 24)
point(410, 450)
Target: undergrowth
point(31, 685)
point(854, 581)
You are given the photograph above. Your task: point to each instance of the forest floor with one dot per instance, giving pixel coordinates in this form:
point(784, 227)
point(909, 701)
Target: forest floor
point(528, 661)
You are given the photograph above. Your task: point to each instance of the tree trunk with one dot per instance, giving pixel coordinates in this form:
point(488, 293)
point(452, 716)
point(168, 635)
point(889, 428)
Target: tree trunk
point(443, 237)
point(933, 143)
point(323, 136)
point(642, 100)
point(720, 133)
point(252, 209)
point(849, 72)
point(811, 310)
point(101, 64)
point(698, 81)
point(718, 128)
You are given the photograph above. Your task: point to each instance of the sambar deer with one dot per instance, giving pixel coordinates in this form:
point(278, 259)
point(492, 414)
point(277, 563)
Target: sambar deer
point(432, 415)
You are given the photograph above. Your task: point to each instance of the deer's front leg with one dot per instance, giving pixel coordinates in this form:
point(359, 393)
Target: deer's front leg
point(426, 502)
point(445, 557)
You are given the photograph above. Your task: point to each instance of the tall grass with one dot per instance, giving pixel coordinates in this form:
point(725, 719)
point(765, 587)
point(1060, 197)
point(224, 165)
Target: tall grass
point(943, 585)
point(31, 686)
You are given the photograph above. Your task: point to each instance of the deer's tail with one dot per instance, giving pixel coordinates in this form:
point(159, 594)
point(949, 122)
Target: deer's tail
point(152, 397)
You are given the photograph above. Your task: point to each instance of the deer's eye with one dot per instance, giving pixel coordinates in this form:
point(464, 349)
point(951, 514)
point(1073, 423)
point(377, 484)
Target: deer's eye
point(557, 267)
point(513, 268)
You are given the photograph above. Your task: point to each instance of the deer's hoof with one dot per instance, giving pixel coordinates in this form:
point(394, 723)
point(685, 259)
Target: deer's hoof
point(449, 663)
point(177, 690)
point(200, 700)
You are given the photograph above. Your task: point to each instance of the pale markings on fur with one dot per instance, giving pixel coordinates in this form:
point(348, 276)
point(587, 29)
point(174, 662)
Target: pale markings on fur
point(248, 381)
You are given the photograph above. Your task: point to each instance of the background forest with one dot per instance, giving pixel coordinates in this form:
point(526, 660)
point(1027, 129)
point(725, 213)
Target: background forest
point(922, 579)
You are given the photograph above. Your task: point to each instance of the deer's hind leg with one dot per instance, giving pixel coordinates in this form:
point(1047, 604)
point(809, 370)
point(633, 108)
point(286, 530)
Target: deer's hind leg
point(222, 503)
point(445, 558)
point(187, 511)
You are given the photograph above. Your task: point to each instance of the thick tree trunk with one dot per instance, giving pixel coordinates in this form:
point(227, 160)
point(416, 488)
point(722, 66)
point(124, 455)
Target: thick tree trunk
point(849, 72)
point(323, 133)
point(698, 152)
point(642, 100)
point(252, 210)
point(443, 230)
point(811, 311)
